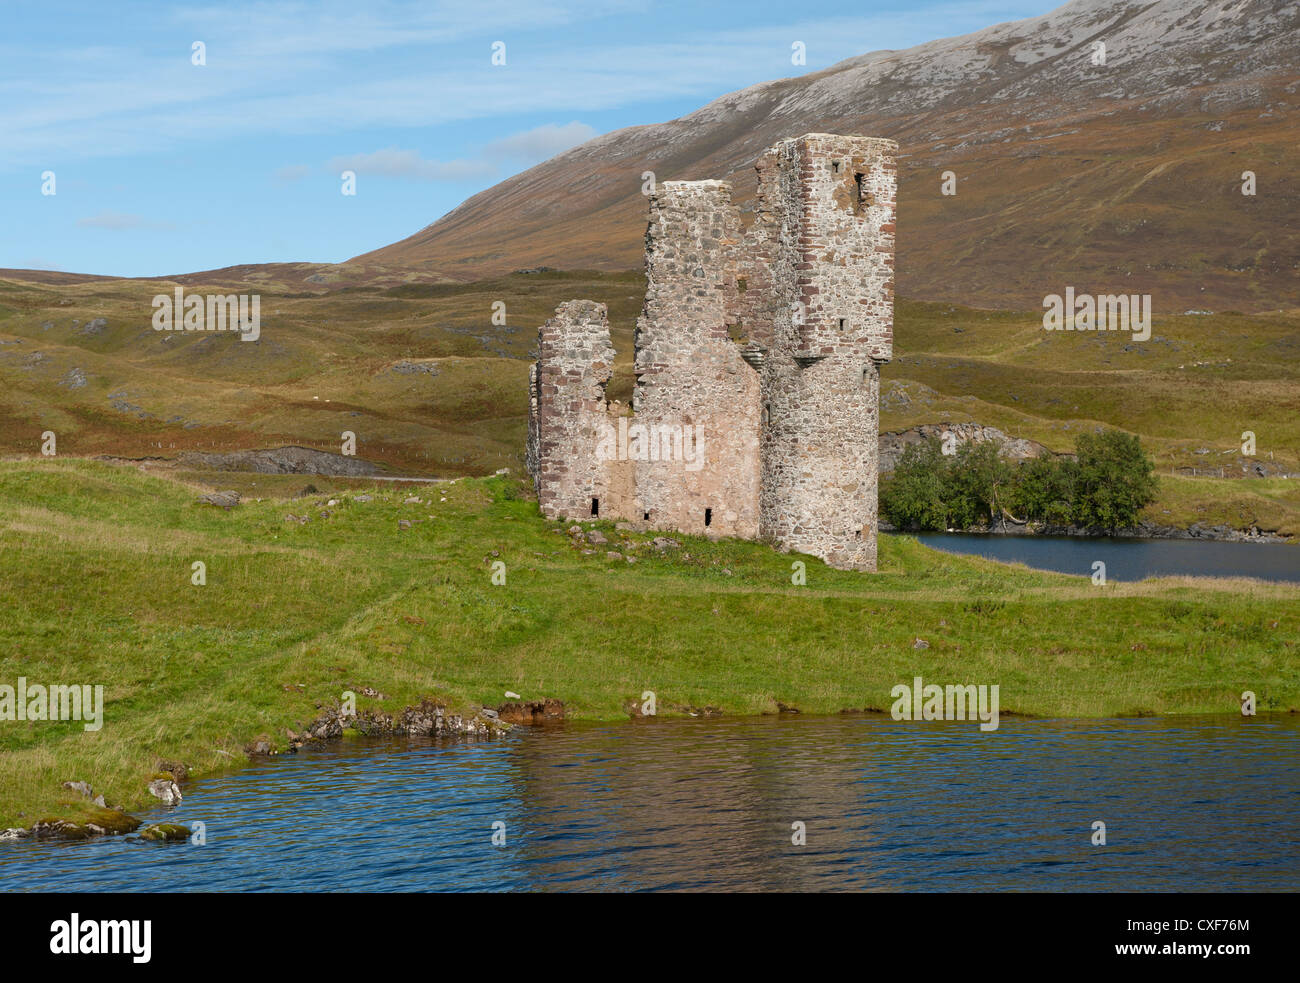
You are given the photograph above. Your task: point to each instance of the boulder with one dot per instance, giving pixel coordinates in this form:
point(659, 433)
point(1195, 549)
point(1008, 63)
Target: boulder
point(221, 499)
point(165, 833)
point(178, 771)
point(166, 790)
point(532, 712)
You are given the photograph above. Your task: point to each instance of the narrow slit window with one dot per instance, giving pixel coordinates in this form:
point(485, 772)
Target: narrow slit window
point(835, 167)
point(645, 516)
point(842, 324)
point(595, 506)
point(864, 198)
point(708, 517)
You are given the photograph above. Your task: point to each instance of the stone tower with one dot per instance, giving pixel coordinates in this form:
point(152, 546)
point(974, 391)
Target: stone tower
point(566, 405)
point(826, 220)
point(765, 344)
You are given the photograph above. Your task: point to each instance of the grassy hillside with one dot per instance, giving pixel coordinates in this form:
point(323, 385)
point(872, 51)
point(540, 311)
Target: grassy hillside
point(95, 562)
point(430, 385)
point(417, 372)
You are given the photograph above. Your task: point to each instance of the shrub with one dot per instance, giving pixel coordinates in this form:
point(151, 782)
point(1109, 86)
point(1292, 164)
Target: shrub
point(1044, 490)
point(1115, 480)
point(975, 476)
point(913, 496)
point(1106, 487)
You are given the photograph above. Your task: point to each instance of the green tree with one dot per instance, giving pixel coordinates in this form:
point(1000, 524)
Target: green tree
point(975, 480)
point(1107, 487)
point(1044, 490)
point(1115, 480)
point(913, 497)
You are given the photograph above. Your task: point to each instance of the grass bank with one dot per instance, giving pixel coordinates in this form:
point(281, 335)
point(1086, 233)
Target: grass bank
point(96, 565)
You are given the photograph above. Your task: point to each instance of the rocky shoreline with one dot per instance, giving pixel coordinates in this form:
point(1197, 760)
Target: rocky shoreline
point(428, 718)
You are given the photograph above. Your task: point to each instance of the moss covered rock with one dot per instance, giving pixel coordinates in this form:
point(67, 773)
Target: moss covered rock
point(165, 833)
point(98, 822)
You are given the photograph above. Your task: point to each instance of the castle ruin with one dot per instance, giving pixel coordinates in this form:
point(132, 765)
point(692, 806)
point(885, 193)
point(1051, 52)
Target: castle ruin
point(755, 409)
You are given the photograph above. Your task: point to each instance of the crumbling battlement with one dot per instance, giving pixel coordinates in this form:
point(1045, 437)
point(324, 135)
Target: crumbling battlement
point(757, 354)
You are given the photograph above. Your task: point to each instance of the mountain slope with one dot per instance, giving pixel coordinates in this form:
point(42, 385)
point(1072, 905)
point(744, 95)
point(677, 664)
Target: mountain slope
point(1122, 176)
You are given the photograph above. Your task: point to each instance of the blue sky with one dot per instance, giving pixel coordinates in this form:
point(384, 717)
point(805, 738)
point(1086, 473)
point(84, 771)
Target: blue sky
point(162, 166)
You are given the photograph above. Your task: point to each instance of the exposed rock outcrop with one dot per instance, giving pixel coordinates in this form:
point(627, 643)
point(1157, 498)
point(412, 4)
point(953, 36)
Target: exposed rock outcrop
point(893, 443)
point(221, 499)
point(280, 460)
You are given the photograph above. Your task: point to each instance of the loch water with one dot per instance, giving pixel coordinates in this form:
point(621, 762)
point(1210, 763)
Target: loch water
point(1189, 803)
point(1129, 559)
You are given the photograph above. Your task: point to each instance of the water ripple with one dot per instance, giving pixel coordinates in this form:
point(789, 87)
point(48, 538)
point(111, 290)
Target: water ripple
point(1189, 803)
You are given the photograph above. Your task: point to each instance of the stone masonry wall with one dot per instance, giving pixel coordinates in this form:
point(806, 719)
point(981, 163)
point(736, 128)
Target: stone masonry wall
point(569, 413)
point(691, 377)
point(832, 269)
point(769, 339)
point(757, 296)
point(531, 447)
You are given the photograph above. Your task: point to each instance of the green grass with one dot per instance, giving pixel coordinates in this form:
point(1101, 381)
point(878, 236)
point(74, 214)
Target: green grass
point(1271, 504)
point(1197, 384)
point(95, 567)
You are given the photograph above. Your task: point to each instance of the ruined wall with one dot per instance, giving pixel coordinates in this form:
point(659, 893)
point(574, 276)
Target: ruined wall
point(758, 296)
point(765, 341)
point(569, 413)
point(832, 275)
point(531, 448)
point(691, 378)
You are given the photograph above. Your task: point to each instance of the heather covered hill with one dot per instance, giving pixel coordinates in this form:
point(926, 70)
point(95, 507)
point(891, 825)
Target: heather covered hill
point(431, 386)
point(1125, 175)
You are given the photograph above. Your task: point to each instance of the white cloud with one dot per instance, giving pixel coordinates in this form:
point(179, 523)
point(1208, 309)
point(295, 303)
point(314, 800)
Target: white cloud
point(118, 222)
point(292, 172)
point(276, 29)
point(519, 149)
point(277, 67)
point(410, 165)
point(541, 142)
